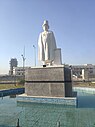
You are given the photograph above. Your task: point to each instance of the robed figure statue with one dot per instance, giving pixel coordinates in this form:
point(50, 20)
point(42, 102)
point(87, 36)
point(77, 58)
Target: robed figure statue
point(46, 45)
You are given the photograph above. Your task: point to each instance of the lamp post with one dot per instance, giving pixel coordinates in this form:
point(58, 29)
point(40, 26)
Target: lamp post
point(23, 59)
point(34, 54)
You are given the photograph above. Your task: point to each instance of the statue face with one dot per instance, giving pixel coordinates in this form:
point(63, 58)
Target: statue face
point(45, 27)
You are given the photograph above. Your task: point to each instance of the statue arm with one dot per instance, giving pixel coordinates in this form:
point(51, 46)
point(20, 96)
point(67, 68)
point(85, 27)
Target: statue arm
point(52, 45)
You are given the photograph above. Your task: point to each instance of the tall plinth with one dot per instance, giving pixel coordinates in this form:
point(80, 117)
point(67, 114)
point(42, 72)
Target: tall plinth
point(51, 81)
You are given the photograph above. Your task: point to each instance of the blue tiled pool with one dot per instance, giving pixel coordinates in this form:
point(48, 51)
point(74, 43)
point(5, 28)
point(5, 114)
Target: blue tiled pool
point(47, 115)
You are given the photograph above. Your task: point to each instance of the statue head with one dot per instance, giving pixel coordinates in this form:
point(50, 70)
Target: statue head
point(45, 25)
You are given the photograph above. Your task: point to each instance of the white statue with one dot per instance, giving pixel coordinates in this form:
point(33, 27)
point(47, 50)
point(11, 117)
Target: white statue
point(46, 45)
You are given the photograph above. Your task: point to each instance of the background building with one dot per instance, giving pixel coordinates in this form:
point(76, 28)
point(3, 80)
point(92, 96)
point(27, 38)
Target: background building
point(19, 71)
point(83, 72)
point(13, 63)
point(88, 74)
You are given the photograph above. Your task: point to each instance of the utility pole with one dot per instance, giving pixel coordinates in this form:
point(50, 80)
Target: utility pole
point(34, 54)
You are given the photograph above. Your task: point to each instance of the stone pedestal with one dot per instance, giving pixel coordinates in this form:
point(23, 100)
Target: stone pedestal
point(52, 81)
point(57, 57)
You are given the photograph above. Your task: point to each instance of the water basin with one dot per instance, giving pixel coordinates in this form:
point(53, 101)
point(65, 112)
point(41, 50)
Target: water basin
point(48, 115)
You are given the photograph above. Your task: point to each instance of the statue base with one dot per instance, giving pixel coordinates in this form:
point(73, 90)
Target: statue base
point(51, 81)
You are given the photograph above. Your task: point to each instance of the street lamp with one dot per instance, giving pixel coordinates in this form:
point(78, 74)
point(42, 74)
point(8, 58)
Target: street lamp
point(34, 54)
point(23, 59)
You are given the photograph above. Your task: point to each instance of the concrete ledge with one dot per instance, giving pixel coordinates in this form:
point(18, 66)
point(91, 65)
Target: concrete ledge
point(46, 66)
point(85, 89)
point(11, 92)
point(68, 101)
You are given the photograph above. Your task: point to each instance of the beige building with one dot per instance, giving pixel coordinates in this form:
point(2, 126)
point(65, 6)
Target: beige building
point(88, 74)
point(83, 72)
point(18, 71)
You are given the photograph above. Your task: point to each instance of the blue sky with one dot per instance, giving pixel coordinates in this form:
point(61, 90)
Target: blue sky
point(72, 21)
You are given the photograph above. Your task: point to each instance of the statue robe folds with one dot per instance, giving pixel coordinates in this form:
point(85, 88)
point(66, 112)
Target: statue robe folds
point(46, 46)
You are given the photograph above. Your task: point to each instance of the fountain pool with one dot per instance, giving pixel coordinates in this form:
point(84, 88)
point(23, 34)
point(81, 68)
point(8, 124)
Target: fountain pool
point(48, 115)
